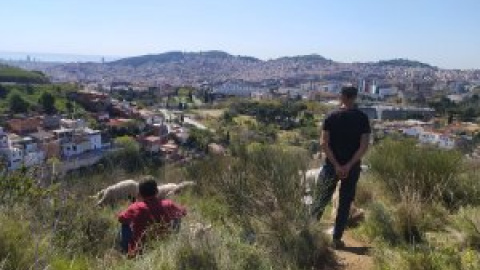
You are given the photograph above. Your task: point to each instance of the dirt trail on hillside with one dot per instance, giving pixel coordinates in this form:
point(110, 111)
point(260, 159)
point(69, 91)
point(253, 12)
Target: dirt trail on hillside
point(355, 255)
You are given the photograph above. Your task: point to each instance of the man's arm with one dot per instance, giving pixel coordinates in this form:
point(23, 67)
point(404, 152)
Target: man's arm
point(364, 141)
point(176, 210)
point(126, 216)
point(324, 142)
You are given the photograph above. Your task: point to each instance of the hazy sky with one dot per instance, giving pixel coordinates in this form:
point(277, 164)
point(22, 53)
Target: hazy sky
point(445, 33)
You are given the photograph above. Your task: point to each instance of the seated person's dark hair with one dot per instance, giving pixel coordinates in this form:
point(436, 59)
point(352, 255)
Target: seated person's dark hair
point(147, 187)
point(349, 91)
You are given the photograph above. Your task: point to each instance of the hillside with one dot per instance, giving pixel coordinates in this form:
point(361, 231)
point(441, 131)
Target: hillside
point(177, 56)
point(17, 75)
point(179, 68)
point(421, 204)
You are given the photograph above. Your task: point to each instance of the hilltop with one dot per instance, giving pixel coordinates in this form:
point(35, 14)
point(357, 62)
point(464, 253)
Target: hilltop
point(18, 75)
point(400, 62)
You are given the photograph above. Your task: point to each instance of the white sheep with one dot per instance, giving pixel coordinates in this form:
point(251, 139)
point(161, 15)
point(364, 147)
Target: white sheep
point(129, 189)
point(169, 189)
point(121, 190)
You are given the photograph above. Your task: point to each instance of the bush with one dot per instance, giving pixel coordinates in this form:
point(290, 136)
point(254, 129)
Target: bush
point(379, 225)
point(19, 187)
point(128, 157)
point(405, 167)
point(260, 186)
point(467, 221)
point(80, 229)
point(426, 258)
point(19, 249)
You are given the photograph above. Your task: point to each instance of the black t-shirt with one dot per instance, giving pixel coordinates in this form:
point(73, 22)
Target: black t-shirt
point(346, 127)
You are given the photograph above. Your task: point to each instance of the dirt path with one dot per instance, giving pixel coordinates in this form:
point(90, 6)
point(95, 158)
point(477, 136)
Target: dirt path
point(355, 255)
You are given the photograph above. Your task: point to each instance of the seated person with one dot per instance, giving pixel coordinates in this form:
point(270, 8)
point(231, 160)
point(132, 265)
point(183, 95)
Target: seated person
point(151, 214)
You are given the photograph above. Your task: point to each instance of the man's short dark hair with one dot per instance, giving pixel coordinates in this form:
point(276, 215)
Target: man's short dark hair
point(349, 91)
point(147, 187)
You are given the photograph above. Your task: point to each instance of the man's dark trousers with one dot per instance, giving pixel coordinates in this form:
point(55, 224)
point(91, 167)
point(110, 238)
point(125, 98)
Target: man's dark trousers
point(327, 182)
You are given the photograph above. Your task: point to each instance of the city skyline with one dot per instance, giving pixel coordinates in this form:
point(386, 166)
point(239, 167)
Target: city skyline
point(441, 34)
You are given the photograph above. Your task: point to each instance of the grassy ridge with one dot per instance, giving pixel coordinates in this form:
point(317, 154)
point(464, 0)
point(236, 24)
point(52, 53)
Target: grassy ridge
point(17, 75)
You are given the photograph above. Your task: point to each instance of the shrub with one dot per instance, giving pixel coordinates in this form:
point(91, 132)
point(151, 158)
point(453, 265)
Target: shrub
point(19, 249)
point(426, 258)
point(260, 186)
point(83, 230)
point(379, 225)
point(405, 167)
point(19, 187)
point(467, 221)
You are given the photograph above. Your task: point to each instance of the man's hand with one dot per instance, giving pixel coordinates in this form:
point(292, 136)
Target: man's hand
point(341, 172)
point(345, 170)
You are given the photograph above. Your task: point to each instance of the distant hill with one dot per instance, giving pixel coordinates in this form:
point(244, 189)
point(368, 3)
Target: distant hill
point(17, 75)
point(179, 68)
point(400, 62)
point(177, 56)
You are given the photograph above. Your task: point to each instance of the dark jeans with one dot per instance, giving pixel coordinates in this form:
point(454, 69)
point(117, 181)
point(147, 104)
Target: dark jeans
point(125, 236)
point(126, 233)
point(327, 182)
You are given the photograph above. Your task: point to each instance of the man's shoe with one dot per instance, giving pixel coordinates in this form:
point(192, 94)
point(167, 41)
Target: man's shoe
point(337, 244)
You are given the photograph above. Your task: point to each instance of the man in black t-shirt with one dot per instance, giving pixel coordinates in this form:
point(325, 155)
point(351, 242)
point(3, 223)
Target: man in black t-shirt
point(345, 138)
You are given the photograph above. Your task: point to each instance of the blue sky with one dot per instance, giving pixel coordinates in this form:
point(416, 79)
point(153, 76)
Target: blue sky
point(445, 33)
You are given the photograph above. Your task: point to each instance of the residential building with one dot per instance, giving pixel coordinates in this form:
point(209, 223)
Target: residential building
point(151, 144)
point(24, 126)
point(17, 151)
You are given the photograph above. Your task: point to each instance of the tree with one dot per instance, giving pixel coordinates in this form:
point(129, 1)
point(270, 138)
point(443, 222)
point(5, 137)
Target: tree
point(128, 156)
point(47, 101)
point(69, 106)
point(200, 138)
point(3, 91)
point(18, 104)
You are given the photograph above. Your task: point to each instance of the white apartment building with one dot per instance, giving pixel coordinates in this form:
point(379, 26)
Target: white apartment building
point(19, 151)
point(76, 139)
point(440, 140)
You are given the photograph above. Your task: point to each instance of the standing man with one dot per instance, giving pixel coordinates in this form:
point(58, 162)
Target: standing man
point(345, 138)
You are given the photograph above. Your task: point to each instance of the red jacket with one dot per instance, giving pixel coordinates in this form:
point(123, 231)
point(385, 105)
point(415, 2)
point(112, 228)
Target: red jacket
point(142, 214)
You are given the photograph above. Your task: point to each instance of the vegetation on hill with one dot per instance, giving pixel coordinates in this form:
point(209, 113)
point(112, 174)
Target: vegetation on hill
point(466, 110)
point(422, 203)
point(45, 98)
point(306, 58)
point(251, 199)
point(17, 75)
point(404, 63)
point(177, 56)
point(416, 199)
